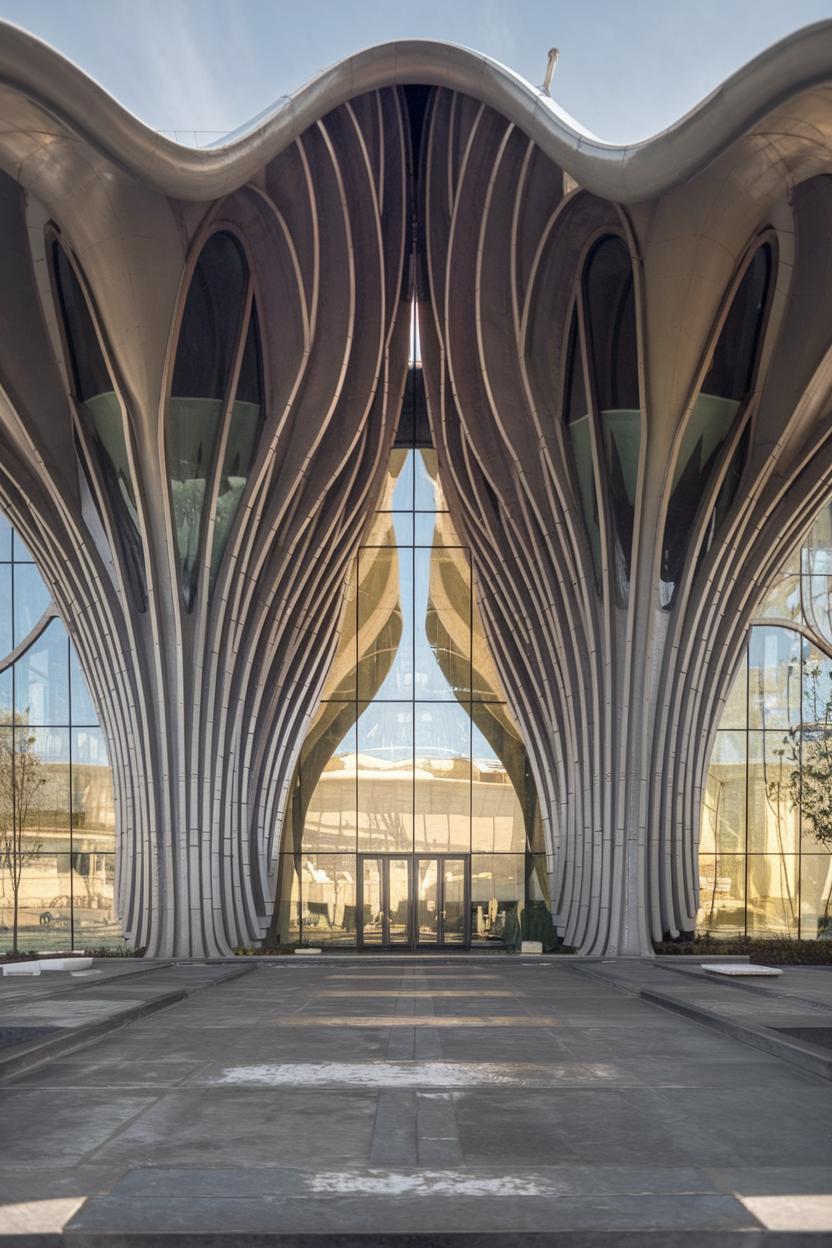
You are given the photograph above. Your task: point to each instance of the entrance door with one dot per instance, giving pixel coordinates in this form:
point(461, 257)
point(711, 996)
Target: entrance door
point(384, 905)
point(412, 901)
point(441, 901)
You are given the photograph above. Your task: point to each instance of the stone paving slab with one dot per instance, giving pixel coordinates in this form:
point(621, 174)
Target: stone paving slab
point(586, 1116)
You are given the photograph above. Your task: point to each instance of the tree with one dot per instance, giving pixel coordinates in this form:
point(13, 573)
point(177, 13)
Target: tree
point(807, 749)
point(21, 783)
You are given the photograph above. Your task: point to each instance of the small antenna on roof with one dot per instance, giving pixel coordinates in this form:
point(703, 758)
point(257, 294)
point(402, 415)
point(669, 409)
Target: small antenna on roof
point(551, 66)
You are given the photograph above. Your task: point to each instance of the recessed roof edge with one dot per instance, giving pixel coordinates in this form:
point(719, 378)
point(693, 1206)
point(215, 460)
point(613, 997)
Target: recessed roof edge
point(626, 174)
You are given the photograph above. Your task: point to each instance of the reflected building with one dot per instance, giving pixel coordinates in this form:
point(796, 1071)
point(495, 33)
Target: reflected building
point(57, 816)
point(765, 862)
point(414, 817)
point(388, 647)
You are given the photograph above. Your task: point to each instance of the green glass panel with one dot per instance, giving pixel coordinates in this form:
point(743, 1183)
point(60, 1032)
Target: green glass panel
point(193, 425)
point(239, 453)
point(579, 435)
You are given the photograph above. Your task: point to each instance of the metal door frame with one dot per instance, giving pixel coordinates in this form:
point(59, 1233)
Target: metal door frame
point(413, 860)
point(441, 859)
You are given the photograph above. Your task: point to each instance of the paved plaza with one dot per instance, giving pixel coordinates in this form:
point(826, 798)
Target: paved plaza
point(492, 1100)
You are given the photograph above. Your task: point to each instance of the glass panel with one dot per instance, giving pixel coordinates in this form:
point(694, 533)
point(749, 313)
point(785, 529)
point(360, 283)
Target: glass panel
point(398, 900)
point(385, 633)
point(287, 920)
point(723, 814)
point(5, 539)
point(199, 392)
point(774, 678)
point(6, 642)
point(610, 316)
point(103, 419)
point(41, 781)
point(329, 901)
point(399, 491)
point(20, 552)
point(41, 678)
point(772, 895)
point(576, 413)
point(82, 708)
point(782, 602)
point(324, 800)
point(735, 712)
point(442, 777)
point(243, 436)
point(6, 685)
point(95, 923)
point(815, 786)
point(721, 895)
point(372, 901)
point(773, 816)
point(31, 599)
point(497, 891)
point(427, 493)
point(427, 877)
point(816, 897)
point(816, 567)
point(385, 777)
point(715, 411)
point(93, 807)
point(443, 666)
point(453, 901)
point(44, 900)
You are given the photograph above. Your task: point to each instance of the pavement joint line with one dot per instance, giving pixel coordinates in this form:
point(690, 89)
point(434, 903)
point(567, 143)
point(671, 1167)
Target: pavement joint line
point(801, 1054)
point(40, 1052)
point(763, 990)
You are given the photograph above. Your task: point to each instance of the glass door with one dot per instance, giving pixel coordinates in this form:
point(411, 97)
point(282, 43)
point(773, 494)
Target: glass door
point(442, 901)
point(384, 905)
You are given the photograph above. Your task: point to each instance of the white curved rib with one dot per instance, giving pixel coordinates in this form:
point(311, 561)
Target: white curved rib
point(625, 174)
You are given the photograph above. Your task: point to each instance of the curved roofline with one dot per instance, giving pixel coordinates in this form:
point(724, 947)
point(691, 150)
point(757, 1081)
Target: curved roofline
point(623, 174)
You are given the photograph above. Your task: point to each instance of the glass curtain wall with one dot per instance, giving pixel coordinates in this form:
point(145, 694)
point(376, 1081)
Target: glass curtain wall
point(414, 816)
point(765, 854)
point(57, 816)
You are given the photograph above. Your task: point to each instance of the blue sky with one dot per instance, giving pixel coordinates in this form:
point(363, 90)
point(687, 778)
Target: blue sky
point(628, 67)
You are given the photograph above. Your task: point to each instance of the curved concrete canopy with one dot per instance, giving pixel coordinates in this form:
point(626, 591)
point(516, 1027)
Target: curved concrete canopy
point(624, 174)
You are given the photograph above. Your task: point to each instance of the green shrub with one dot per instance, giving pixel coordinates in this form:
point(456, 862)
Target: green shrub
point(774, 952)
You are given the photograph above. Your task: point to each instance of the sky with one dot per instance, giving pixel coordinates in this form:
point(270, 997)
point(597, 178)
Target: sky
point(200, 68)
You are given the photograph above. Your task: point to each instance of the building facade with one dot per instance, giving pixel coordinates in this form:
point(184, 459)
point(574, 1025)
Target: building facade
point(418, 647)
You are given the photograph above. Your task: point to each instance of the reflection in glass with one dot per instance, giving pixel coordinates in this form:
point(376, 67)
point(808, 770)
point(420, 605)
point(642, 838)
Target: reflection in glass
point(244, 430)
point(773, 678)
point(773, 819)
point(609, 300)
point(721, 894)
point(453, 901)
point(211, 325)
point(576, 415)
point(772, 908)
point(398, 901)
point(385, 777)
point(41, 678)
point(723, 813)
point(101, 414)
point(497, 895)
point(781, 759)
point(372, 901)
point(57, 816)
point(31, 599)
point(724, 389)
point(328, 898)
point(427, 889)
point(413, 722)
point(816, 896)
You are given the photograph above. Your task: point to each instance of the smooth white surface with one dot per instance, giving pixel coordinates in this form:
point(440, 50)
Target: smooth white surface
point(531, 946)
point(738, 968)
